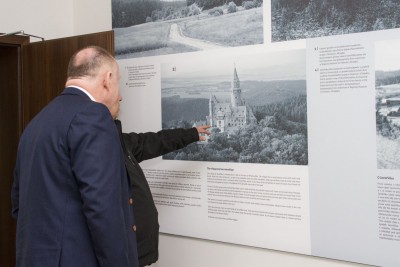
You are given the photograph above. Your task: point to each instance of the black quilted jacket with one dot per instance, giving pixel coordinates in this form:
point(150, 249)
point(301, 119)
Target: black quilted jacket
point(139, 147)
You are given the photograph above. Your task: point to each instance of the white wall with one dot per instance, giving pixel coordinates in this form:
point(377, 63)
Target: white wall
point(53, 19)
point(91, 16)
point(44, 18)
point(56, 19)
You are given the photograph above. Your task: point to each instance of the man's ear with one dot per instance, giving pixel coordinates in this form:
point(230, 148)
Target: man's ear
point(107, 80)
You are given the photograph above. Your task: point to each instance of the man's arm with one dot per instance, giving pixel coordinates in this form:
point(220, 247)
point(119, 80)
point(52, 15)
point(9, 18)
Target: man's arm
point(149, 145)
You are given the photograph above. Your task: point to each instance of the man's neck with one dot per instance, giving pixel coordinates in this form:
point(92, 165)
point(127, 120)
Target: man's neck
point(83, 90)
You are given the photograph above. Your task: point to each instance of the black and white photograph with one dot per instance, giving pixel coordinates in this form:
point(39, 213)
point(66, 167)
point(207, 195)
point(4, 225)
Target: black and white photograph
point(301, 19)
point(161, 27)
point(256, 106)
point(387, 83)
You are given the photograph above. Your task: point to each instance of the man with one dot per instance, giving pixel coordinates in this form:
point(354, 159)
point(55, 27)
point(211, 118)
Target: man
point(143, 146)
point(71, 193)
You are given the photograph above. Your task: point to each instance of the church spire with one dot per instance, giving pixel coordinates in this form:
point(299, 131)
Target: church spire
point(236, 81)
point(236, 94)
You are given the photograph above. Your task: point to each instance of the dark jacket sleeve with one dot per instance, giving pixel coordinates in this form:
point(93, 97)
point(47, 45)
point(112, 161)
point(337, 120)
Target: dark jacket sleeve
point(150, 145)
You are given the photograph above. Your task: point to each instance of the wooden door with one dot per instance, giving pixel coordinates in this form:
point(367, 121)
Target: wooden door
point(44, 68)
point(31, 74)
point(10, 129)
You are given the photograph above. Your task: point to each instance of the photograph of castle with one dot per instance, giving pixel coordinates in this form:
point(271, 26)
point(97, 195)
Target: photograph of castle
point(229, 116)
point(256, 113)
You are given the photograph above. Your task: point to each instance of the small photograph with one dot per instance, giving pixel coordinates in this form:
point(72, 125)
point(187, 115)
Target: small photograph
point(256, 107)
point(160, 27)
point(387, 85)
point(301, 19)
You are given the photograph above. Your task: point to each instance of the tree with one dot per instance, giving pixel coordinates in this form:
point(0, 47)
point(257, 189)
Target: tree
point(232, 8)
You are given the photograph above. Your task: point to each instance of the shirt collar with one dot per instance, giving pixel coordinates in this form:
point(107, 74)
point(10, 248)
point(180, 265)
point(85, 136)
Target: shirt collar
point(83, 90)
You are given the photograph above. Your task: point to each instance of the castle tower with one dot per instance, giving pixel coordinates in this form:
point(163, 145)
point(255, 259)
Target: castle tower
point(210, 110)
point(236, 94)
point(220, 120)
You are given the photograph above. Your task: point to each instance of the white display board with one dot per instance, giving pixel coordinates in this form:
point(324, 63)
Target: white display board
point(305, 151)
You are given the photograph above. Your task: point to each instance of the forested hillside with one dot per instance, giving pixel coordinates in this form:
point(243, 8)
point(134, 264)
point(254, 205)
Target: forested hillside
point(259, 93)
point(313, 18)
point(274, 140)
point(176, 109)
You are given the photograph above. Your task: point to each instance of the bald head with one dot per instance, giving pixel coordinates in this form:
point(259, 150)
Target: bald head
point(95, 70)
point(88, 62)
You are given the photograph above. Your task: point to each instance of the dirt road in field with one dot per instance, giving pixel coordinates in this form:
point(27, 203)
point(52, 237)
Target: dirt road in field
point(175, 35)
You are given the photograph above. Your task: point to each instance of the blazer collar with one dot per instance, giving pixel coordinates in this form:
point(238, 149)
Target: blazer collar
point(74, 91)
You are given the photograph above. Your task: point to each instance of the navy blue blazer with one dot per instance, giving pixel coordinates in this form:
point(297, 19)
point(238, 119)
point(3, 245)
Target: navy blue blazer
point(71, 192)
